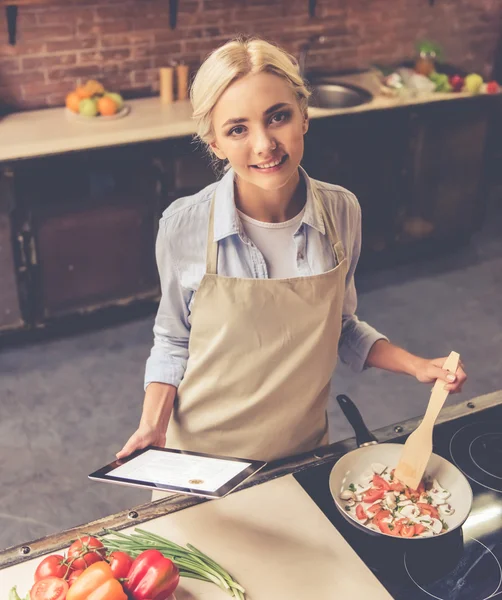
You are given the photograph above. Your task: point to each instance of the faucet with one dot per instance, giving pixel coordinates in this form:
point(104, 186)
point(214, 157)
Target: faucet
point(304, 50)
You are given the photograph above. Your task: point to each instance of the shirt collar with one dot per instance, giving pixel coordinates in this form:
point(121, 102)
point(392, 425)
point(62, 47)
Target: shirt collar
point(226, 218)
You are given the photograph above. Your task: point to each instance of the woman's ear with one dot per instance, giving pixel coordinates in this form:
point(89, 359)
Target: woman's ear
point(305, 123)
point(214, 147)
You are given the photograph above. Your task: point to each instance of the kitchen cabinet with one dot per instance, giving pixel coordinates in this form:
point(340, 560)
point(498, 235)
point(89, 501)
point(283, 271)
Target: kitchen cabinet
point(84, 227)
point(418, 173)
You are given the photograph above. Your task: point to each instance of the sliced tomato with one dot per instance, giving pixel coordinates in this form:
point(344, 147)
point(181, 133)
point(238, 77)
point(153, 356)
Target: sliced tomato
point(419, 528)
point(380, 515)
point(387, 528)
point(421, 488)
point(374, 509)
point(411, 494)
point(50, 588)
point(408, 530)
point(398, 525)
point(397, 486)
point(373, 494)
point(430, 510)
point(360, 514)
point(379, 482)
point(52, 566)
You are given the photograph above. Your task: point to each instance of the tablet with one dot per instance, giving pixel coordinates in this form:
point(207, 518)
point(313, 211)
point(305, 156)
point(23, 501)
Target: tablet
point(171, 470)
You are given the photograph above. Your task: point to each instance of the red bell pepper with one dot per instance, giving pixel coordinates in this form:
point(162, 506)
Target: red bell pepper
point(152, 577)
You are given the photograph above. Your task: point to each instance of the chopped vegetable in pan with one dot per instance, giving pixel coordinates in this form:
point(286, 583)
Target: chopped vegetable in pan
point(383, 504)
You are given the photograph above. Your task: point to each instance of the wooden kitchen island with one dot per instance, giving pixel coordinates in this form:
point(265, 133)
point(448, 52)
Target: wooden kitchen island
point(270, 535)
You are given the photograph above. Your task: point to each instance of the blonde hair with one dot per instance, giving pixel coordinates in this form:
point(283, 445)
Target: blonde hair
point(235, 59)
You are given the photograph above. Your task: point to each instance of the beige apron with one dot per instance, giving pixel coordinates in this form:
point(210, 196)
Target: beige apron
point(261, 356)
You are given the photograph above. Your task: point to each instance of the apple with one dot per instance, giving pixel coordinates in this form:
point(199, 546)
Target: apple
point(117, 98)
point(492, 87)
point(457, 83)
point(473, 83)
point(88, 107)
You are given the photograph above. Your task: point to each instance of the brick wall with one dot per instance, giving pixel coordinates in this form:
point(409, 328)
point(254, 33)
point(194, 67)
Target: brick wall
point(124, 42)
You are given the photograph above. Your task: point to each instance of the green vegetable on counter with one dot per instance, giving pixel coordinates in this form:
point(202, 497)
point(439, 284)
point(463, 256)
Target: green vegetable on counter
point(13, 595)
point(441, 81)
point(191, 562)
point(473, 83)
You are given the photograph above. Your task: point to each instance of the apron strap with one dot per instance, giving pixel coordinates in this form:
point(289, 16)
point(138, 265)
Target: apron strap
point(212, 245)
point(329, 225)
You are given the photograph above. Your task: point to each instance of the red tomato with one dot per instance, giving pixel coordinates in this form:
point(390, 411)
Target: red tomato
point(379, 482)
point(380, 515)
point(50, 588)
point(408, 530)
point(395, 486)
point(51, 566)
point(374, 509)
point(360, 514)
point(411, 494)
point(430, 510)
point(84, 552)
point(74, 575)
point(120, 562)
point(419, 528)
point(373, 495)
point(386, 528)
point(398, 525)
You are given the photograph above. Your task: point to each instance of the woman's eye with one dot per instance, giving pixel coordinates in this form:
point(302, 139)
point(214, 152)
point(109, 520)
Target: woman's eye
point(280, 117)
point(236, 131)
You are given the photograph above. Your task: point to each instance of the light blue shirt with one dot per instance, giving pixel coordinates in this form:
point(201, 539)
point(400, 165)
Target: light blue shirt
point(181, 261)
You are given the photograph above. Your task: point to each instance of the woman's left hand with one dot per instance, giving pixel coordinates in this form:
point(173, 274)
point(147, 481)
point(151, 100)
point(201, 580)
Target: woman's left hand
point(429, 370)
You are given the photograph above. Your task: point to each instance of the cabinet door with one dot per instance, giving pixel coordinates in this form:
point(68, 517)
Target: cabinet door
point(10, 312)
point(447, 149)
point(364, 153)
point(89, 222)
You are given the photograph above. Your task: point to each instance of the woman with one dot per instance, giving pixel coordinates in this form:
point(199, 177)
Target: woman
point(257, 276)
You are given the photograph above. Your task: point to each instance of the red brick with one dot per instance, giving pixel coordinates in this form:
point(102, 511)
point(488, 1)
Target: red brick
point(9, 79)
point(57, 17)
point(42, 62)
point(85, 29)
point(130, 38)
point(48, 88)
point(81, 43)
point(9, 65)
point(22, 49)
point(72, 73)
point(49, 32)
point(104, 56)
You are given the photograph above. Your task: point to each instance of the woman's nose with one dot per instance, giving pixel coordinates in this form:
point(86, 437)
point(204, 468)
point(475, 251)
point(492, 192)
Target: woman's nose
point(263, 143)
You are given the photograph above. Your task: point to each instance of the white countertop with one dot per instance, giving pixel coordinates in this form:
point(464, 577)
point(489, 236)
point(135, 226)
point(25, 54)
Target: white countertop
point(51, 131)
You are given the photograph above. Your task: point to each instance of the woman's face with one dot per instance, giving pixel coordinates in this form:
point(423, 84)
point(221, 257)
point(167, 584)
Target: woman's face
point(259, 128)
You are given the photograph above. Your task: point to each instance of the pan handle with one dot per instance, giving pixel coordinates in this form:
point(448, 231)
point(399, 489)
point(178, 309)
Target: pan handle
point(350, 410)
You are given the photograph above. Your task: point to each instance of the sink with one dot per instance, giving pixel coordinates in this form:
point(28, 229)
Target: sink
point(338, 95)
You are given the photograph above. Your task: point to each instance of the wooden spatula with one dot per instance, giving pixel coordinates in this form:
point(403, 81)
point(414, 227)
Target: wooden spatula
point(418, 448)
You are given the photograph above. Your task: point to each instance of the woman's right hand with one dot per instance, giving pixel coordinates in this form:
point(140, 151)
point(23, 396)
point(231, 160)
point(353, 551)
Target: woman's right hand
point(142, 437)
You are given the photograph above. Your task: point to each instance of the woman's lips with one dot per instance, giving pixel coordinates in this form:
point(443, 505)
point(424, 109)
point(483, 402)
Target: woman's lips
point(272, 169)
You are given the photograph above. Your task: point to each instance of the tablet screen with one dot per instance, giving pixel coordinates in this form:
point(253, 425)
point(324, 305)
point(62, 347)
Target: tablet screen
point(176, 470)
point(180, 470)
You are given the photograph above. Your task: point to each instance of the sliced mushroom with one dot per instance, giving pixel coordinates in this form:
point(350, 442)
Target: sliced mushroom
point(390, 499)
point(348, 495)
point(378, 468)
point(446, 510)
point(404, 502)
point(410, 511)
point(437, 526)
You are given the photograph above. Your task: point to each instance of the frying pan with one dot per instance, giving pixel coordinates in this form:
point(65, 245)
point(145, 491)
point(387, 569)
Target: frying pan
point(353, 464)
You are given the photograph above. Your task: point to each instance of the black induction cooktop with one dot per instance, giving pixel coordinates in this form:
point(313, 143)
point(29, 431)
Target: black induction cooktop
point(465, 564)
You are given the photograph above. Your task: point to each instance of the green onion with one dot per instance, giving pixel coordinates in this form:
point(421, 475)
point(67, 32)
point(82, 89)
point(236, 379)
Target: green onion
point(191, 562)
point(352, 487)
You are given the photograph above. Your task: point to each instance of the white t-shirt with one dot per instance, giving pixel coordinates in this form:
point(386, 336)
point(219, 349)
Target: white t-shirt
point(275, 241)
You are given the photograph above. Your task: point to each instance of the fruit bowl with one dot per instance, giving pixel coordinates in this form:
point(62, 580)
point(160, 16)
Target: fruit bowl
point(123, 112)
point(92, 100)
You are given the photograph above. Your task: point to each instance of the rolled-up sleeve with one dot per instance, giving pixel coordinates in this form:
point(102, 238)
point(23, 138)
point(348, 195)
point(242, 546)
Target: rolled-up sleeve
point(357, 337)
point(169, 354)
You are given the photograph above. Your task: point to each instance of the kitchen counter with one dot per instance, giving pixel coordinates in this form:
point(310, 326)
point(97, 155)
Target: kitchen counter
point(51, 131)
point(272, 521)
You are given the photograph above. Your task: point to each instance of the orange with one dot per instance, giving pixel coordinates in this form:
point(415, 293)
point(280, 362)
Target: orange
point(72, 101)
point(107, 107)
point(83, 92)
point(94, 87)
